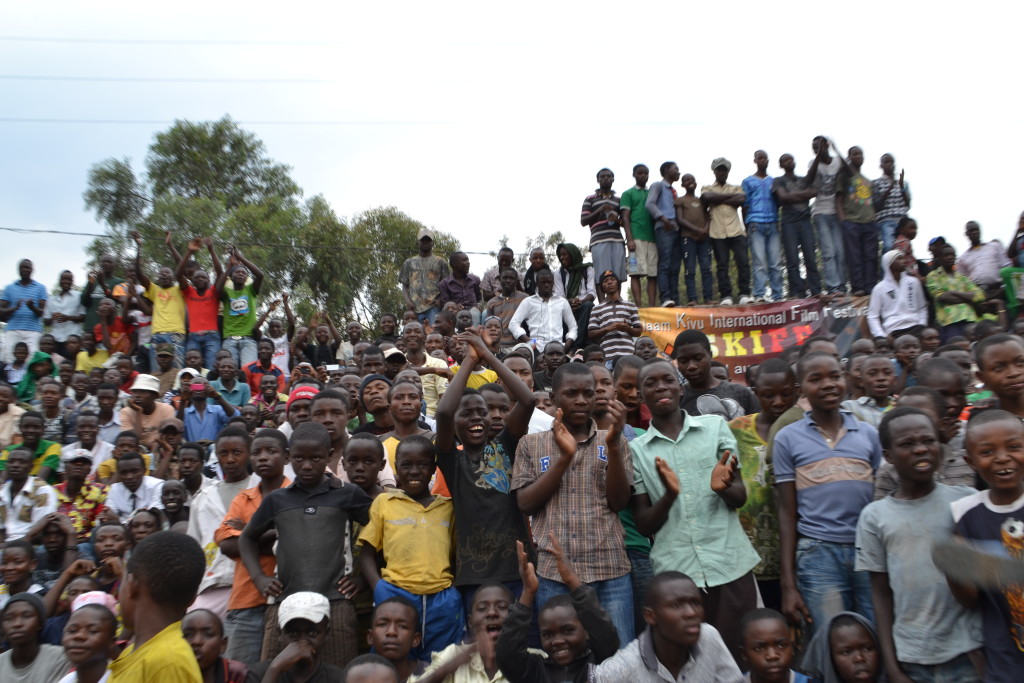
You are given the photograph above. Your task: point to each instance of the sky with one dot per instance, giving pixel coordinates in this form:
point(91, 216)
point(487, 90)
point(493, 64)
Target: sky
point(486, 119)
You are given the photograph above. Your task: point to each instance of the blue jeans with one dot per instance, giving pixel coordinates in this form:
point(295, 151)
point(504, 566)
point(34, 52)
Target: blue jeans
point(698, 253)
point(175, 338)
point(442, 619)
point(887, 229)
point(640, 573)
point(959, 670)
point(830, 239)
point(244, 631)
point(243, 350)
point(766, 254)
point(428, 315)
point(208, 344)
point(861, 252)
point(798, 238)
point(827, 581)
point(670, 259)
point(615, 595)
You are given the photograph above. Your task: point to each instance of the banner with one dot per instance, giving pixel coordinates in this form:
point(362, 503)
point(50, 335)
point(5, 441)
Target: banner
point(742, 336)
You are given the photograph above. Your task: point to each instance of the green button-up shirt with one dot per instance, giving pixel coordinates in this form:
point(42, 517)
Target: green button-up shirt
point(702, 537)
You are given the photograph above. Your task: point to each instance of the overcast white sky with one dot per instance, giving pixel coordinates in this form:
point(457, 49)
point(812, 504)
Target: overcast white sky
point(483, 119)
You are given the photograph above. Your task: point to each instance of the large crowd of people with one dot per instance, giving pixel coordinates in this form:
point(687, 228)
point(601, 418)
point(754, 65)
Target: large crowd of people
point(510, 481)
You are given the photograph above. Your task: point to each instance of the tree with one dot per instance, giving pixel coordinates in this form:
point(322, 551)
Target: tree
point(213, 179)
point(549, 243)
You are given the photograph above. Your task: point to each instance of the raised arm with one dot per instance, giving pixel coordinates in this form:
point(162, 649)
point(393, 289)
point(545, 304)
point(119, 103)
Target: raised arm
point(334, 330)
point(266, 314)
point(217, 267)
point(139, 272)
point(190, 250)
point(617, 481)
point(175, 256)
point(444, 414)
point(257, 274)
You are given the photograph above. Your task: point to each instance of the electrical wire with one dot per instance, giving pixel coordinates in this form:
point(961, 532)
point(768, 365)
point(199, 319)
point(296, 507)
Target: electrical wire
point(160, 41)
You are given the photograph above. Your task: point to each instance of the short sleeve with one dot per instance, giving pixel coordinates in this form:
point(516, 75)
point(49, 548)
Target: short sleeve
point(373, 533)
point(524, 471)
point(870, 544)
point(638, 478)
point(403, 274)
point(782, 457)
point(235, 511)
point(727, 440)
point(263, 518)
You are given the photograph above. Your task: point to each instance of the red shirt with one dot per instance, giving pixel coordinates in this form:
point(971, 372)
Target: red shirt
point(120, 336)
point(254, 375)
point(202, 309)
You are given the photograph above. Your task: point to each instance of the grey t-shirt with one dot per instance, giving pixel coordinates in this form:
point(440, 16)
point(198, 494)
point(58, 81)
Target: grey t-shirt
point(727, 399)
point(896, 536)
point(825, 182)
point(50, 665)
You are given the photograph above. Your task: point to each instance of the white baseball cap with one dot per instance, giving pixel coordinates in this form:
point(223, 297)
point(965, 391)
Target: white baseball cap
point(307, 605)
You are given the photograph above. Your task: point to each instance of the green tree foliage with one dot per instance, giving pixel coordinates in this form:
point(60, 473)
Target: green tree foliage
point(213, 179)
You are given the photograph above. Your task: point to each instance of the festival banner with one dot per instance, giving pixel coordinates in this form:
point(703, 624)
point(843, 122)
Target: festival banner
point(742, 336)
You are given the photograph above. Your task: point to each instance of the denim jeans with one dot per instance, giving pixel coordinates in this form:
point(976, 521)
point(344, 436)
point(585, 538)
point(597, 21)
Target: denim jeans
point(244, 350)
point(830, 239)
point(442, 617)
point(175, 338)
point(670, 260)
point(738, 247)
point(615, 595)
point(428, 315)
point(797, 238)
point(827, 581)
point(887, 229)
point(767, 256)
point(861, 249)
point(640, 573)
point(208, 344)
point(698, 253)
point(244, 631)
point(959, 670)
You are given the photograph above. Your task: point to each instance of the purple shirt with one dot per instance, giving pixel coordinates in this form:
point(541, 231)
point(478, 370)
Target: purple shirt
point(465, 293)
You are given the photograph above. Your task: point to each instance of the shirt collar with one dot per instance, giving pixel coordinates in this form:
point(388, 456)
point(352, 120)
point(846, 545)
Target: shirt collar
point(688, 423)
point(645, 643)
point(849, 421)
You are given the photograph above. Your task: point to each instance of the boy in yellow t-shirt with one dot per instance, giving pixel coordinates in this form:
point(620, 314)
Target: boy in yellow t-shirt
point(417, 556)
point(160, 582)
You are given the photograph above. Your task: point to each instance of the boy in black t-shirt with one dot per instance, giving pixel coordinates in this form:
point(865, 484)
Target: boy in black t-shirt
point(478, 472)
point(315, 507)
point(704, 394)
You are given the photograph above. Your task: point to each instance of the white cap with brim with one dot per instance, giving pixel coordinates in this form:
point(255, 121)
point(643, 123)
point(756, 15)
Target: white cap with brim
point(307, 605)
point(146, 383)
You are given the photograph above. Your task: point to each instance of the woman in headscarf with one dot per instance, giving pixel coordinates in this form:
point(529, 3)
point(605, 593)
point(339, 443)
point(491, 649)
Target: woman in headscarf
point(40, 365)
point(574, 280)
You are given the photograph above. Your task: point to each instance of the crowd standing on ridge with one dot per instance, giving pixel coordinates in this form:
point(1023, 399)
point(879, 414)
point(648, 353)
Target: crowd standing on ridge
point(510, 481)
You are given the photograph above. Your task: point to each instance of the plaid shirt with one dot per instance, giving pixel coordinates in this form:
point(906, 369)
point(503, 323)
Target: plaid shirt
point(578, 513)
point(85, 508)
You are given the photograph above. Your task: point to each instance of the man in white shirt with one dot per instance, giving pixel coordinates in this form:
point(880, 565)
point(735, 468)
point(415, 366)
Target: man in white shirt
point(135, 490)
point(981, 263)
point(87, 430)
point(546, 315)
point(25, 501)
point(64, 312)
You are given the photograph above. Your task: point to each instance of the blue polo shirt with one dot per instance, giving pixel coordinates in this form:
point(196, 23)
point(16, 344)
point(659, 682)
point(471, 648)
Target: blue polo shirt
point(834, 482)
point(205, 426)
point(24, 318)
point(238, 396)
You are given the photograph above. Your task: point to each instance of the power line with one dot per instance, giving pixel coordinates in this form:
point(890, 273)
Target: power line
point(164, 122)
point(147, 79)
point(157, 41)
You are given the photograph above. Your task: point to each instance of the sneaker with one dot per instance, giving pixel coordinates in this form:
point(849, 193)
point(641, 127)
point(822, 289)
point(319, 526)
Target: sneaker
point(668, 303)
point(746, 299)
point(727, 301)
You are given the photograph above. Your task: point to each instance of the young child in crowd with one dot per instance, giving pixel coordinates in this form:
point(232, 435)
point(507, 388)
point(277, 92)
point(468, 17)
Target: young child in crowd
point(677, 645)
point(923, 632)
point(305, 563)
point(146, 521)
point(394, 632)
point(907, 348)
point(478, 472)
point(844, 649)
point(17, 564)
point(204, 632)
point(29, 659)
point(111, 543)
point(1000, 361)
point(566, 625)
point(74, 581)
point(574, 480)
point(126, 442)
point(161, 581)
point(775, 389)
point(877, 379)
point(417, 557)
point(304, 622)
point(685, 470)
point(837, 457)
point(88, 641)
point(768, 648)
point(993, 522)
point(369, 668)
point(246, 604)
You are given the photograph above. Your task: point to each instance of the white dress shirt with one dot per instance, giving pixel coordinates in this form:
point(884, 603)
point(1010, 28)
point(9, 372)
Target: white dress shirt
point(122, 502)
point(69, 304)
point(545, 319)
